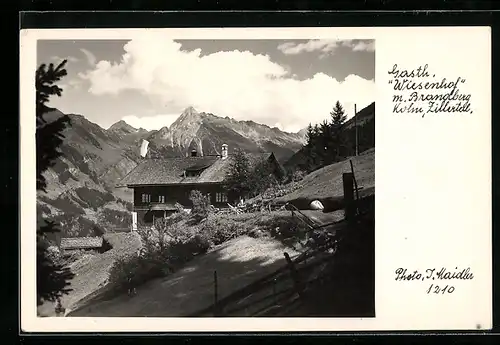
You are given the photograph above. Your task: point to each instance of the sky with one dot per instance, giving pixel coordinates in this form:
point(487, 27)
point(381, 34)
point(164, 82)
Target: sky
point(149, 81)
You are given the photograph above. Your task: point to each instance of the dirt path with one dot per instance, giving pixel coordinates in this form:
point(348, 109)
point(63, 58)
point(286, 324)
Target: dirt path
point(238, 262)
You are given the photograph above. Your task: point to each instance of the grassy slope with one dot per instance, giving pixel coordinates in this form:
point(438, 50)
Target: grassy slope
point(238, 262)
point(325, 184)
point(91, 271)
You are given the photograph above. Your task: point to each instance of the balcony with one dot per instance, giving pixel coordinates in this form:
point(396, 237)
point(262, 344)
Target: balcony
point(156, 206)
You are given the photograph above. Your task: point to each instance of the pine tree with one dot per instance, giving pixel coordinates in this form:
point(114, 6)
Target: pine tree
point(309, 134)
point(326, 150)
point(52, 276)
point(326, 141)
point(48, 135)
point(337, 142)
point(338, 117)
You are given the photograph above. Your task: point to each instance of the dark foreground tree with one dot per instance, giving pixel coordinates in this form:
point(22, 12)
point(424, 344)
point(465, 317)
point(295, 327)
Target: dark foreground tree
point(48, 134)
point(53, 278)
point(52, 275)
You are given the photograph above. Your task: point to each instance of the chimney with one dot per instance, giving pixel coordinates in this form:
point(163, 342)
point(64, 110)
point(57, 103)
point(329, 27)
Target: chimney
point(194, 153)
point(224, 151)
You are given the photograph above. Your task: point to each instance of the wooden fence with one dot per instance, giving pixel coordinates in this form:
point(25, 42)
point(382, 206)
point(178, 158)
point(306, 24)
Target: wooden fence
point(282, 284)
point(290, 283)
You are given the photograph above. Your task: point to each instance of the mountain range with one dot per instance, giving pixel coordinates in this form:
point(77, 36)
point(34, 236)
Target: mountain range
point(82, 193)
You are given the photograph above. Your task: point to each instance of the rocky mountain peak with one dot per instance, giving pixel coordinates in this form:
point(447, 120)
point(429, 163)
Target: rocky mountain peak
point(190, 116)
point(123, 126)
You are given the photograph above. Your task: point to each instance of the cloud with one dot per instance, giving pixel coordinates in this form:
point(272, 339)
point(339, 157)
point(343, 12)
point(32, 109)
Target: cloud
point(238, 84)
point(150, 122)
point(368, 45)
point(325, 46)
point(91, 59)
point(290, 48)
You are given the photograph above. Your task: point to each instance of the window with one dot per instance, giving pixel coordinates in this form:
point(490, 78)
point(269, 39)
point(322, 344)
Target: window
point(220, 197)
point(161, 199)
point(192, 173)
point(146, 198)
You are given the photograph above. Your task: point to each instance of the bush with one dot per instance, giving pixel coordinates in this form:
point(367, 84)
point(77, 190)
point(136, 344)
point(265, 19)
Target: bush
point(201, 205)
point(284, 227)
point(165, 248)
point(135, 270)
point(298, 175)
point(219, 229)
point(132, 271)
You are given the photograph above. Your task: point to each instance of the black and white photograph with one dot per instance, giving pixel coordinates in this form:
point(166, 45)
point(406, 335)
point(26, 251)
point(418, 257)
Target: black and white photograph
point(205, 177)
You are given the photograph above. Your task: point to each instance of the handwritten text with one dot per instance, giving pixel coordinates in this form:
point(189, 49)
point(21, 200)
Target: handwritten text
point(417, 91)
point(435, 275)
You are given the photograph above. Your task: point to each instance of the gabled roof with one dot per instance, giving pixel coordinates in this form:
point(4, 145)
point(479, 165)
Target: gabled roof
point(170, 171)
point(81, 242)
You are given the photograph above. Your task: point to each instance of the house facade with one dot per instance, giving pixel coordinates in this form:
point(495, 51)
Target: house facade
point(160, 184)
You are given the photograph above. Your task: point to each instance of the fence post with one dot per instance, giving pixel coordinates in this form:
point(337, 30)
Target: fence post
point(350, 210)
point(295, 276)
point(216, 304)
point(274, 291)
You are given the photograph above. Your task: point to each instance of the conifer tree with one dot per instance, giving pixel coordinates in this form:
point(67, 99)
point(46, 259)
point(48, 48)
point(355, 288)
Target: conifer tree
point(338, 117)
point(325, 142)
point(48, 134)
point(337, 142)
point(52, 276)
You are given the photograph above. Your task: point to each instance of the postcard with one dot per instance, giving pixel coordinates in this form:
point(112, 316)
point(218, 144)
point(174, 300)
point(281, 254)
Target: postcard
point(223, 179)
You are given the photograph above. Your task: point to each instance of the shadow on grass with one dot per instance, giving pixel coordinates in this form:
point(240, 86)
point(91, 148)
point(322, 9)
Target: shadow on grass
point(347, 291)
point(193, 287)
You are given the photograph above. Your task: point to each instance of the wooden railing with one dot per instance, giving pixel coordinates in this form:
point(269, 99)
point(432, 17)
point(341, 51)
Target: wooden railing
point(301, 216)
point(294, 278)
point(291, 278)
